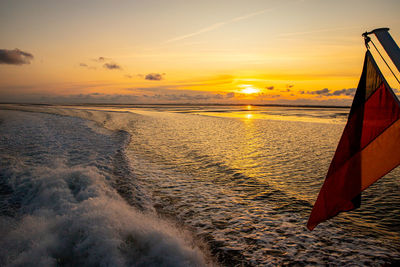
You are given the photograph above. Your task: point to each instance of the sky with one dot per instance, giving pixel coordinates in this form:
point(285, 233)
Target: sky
point(307, 52)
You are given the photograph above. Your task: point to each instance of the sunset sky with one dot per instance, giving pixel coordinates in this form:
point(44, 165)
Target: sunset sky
point(183, 51)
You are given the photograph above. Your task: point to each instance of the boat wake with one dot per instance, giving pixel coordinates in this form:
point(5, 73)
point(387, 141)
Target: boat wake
point(59, 185)
point(121, 186)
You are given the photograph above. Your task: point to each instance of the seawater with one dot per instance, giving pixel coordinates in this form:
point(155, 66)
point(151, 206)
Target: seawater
point(206, 185)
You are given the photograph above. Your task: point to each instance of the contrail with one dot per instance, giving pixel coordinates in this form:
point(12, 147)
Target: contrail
point(217, 25)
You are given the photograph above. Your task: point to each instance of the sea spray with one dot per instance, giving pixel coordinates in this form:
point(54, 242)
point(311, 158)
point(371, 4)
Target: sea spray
point(65, 210)
point(71, 216)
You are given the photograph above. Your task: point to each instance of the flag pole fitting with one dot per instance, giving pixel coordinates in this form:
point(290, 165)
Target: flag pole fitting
point(390, 46)
point(367, 39)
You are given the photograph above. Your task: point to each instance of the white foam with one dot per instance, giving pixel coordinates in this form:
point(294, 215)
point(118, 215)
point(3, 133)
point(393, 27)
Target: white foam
point(70, 215)
point(74, 217)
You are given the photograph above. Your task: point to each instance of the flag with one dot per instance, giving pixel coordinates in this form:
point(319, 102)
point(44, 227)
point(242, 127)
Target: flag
point(368, 149)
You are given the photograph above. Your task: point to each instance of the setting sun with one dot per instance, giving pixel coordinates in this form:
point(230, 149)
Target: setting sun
point(250, 90)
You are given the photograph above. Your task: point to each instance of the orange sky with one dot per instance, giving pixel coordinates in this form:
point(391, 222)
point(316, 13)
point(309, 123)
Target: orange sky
point(161, 51)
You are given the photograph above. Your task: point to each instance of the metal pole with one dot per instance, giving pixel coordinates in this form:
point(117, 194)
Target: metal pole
point(390, 46)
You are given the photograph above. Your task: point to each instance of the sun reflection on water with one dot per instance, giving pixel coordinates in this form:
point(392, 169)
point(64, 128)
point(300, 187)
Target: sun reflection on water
point(249, 116)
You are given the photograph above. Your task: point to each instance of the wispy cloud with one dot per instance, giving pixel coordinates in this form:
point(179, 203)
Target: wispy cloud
point(217, 25)
point(112, 66)
point(107, 64)
point(101, 59)
point(84, 65)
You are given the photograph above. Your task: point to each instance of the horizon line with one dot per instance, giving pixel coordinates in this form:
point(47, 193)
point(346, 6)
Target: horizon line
point(174, 104)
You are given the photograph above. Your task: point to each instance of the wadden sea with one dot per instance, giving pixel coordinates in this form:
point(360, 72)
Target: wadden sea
point(181, 186)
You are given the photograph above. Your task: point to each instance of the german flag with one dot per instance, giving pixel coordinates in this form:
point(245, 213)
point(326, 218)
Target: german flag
point(368, 149)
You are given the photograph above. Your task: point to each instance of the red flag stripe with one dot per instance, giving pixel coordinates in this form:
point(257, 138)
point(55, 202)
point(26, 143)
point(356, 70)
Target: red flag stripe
point(380, 111)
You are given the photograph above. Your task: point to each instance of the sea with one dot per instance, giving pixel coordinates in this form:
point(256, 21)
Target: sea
point(181, 185)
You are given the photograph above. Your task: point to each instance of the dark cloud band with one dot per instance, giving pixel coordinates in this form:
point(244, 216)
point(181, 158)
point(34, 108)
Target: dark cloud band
point(15, 57)
point(154, 77)
point(328, 92)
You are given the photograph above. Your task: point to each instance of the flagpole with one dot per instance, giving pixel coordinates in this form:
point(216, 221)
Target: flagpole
point(387, 42)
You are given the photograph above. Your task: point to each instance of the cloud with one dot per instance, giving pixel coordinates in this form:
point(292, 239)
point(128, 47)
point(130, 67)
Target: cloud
point(101, 59)
point(188, 97)
point(230, 95)
point(324, 91)
point(15, 57)
point(154, 76)
point(107, 63)
point(267, 95)
point(328, 92)
point(347, 92)
point(84, 65)
point(166, 94)
point(112, 66)
point(288, 87)
point(269, 87)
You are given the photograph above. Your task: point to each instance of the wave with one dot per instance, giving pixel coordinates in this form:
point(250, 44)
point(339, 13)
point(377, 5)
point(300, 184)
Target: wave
point(60, 202)
point(243, 187)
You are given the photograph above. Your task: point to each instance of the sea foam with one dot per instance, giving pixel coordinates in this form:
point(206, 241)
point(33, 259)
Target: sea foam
point(60, 207)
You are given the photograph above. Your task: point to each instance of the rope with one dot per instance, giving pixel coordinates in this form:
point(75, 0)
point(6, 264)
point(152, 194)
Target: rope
point(366, 43)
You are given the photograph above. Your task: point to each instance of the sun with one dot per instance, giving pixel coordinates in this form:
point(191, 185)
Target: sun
point(250, 90)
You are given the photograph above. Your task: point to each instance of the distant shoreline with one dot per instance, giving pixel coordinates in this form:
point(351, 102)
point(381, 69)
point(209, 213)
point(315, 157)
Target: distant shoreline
point(182, 105)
